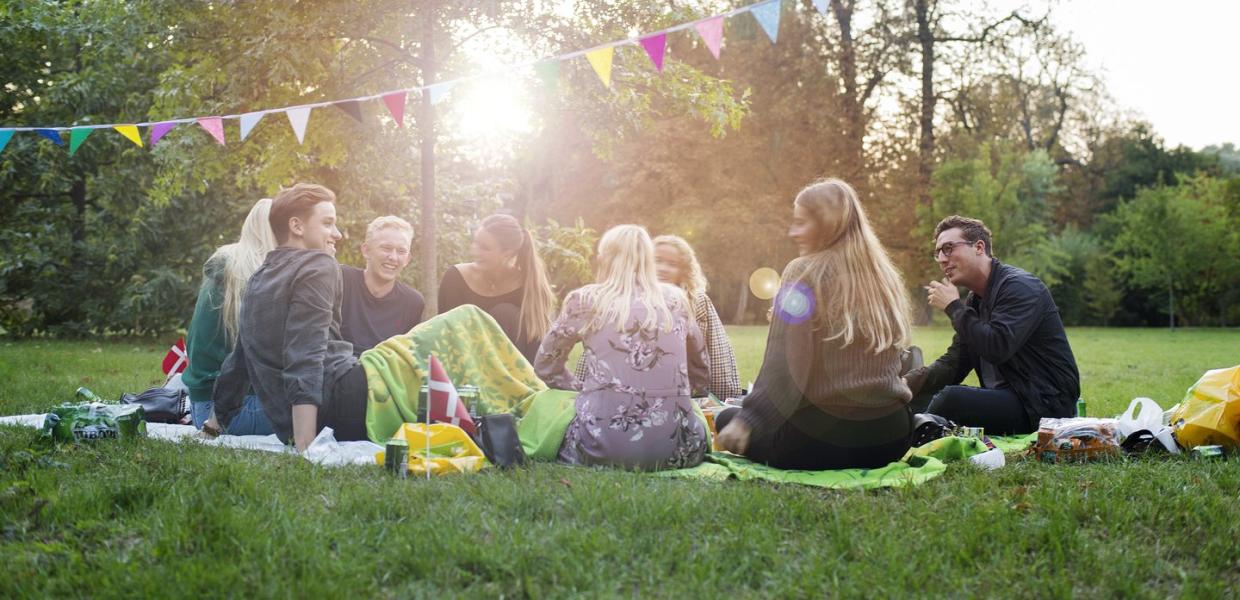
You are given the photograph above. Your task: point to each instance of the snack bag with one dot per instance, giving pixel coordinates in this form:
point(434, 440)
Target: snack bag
point(1077, 439)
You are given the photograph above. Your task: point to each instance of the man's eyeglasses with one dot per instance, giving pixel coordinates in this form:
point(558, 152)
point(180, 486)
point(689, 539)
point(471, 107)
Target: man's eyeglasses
point(946, 249)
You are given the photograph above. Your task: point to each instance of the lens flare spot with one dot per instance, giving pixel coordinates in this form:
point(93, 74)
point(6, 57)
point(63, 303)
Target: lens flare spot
point(764, 283)
point(795, 303)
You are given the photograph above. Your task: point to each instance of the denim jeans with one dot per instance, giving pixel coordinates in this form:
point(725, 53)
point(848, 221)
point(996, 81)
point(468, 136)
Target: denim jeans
point(250, 420)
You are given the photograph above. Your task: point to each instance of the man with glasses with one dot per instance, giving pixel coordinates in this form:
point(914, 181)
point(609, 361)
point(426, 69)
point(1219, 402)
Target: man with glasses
point(1008, 331)
point(377, 305)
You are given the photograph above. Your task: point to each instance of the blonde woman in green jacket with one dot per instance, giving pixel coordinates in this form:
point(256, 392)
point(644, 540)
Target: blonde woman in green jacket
point(213, 329)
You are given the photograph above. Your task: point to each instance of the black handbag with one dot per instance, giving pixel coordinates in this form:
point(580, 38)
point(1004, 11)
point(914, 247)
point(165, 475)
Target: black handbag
point(161, 405)
point(497, 435)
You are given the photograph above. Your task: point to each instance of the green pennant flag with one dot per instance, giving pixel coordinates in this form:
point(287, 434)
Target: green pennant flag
point(549, 72)
point(77, 135)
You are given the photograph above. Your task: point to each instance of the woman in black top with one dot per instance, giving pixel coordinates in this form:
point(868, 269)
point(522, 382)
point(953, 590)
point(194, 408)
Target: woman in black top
point(506, 279)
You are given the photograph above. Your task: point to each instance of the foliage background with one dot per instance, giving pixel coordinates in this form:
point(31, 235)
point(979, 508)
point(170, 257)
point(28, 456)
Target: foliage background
point(927, 107)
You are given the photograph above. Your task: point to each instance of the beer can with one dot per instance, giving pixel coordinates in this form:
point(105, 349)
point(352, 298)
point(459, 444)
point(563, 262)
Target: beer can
point(396, 457)
point(1208, 452)
point(85, 395)
point(469, 396)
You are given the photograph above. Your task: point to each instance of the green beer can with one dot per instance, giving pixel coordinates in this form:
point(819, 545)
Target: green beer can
point(396, 458)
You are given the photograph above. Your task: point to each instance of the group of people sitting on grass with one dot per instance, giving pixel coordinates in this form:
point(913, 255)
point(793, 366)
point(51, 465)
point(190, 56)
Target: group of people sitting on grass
point(279, 325)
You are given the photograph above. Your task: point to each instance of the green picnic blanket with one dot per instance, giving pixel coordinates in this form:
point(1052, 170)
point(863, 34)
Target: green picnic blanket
point(473, 350)
point(547, 418)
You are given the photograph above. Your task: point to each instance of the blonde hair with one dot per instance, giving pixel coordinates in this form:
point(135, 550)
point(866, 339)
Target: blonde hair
point(388, 222)
point(859, 293)
point(626, 268)
point(693, 282)
point(241, 260)
point(538, 299)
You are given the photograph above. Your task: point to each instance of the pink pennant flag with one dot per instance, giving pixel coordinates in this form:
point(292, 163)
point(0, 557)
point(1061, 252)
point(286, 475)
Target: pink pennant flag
point(214, 126)
point(159, 129)
point(395, 102)
point(655, 46)
point(711, 31)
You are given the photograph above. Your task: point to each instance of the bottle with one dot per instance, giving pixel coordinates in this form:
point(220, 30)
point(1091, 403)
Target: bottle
point(1080, 407)
point(85, 395)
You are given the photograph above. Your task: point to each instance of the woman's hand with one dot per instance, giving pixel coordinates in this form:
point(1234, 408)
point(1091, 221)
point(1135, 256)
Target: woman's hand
point(735, 437)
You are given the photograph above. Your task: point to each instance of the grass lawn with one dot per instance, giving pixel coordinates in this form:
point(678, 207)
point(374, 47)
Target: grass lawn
point(159, 519)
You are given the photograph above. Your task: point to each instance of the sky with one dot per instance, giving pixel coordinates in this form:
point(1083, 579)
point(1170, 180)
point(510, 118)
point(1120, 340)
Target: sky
point(1171, 63)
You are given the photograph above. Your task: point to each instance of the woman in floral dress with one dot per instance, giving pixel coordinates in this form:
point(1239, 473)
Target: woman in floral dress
point(644, 356)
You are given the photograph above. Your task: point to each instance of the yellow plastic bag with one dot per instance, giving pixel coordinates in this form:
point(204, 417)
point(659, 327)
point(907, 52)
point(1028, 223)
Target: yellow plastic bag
point(451, 450)
point(1210, 412)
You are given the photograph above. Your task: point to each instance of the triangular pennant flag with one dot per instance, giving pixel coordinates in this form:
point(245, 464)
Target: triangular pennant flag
point(711, 31)
point(130, 132)
point(549, 72)
point(214, 126)
point(601, 61)
point(248, 121)
point(297, 117)
point(51, 134)
point(444, 404)
point(395, 102)
point(768, 17)
point(159, 129)
point(821, 5)
point(655, 46)
point(353, 108)
point(437, 91)
point(77, 135)
point(5, 136)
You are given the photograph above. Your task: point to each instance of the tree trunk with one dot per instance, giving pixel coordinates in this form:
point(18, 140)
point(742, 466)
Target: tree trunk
point(925, 164)
point(853, 125)
point(742, 303)
point(426, 132)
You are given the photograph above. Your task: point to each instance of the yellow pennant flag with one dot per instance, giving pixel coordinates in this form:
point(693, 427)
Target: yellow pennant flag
point(601, 61)
point(130, 132)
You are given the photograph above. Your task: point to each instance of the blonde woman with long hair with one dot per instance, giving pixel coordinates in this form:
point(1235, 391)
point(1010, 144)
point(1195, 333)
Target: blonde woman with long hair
point(506, 279)
point(213, 329)
point(644, 356)
point(678, 265)
point(830, 393)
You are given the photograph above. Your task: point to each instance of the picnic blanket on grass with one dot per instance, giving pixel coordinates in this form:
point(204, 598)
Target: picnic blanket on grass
point(547, 418)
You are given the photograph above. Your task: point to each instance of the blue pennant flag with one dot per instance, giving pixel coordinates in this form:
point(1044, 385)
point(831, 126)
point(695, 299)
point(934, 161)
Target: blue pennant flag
point(767, 15)
point(51, 134)
point(5, 136)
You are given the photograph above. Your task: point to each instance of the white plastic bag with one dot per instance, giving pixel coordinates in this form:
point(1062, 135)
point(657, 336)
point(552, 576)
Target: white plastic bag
point(1142, 413)
point(1146, 414)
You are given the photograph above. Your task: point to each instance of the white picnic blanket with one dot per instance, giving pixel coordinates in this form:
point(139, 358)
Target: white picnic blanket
point(324, 450)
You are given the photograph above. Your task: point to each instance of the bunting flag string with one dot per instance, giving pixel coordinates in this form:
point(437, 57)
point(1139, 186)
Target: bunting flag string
point(600, 58)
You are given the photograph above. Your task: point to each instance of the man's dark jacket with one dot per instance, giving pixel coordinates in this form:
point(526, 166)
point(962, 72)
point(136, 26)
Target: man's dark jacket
point(289, 350)
point(1015, 326)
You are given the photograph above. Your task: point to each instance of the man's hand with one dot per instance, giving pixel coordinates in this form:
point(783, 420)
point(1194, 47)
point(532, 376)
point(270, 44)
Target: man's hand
point(916, 379)
point(941, 293)
point(735, 437)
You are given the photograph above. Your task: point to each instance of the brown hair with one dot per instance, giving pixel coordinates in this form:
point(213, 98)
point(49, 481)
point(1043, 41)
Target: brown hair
point(538, 299)
point(972, 230)
point(297, 201)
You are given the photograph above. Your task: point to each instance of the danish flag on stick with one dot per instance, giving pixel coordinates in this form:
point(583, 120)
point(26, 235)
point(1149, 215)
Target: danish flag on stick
point(445, 404)
point(176, 360)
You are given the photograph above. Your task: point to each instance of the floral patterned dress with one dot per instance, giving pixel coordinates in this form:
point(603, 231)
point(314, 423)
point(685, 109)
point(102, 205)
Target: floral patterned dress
point(635, 407)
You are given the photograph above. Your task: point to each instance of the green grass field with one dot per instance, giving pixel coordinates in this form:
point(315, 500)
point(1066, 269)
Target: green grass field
point(158, 519)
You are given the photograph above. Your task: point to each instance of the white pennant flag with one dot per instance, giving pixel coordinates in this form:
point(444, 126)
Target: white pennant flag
point(248, 121)
point(297, 117)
